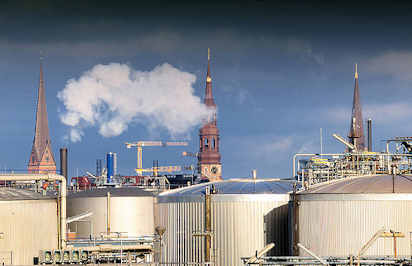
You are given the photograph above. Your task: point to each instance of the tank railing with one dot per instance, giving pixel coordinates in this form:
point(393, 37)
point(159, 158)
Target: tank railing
point(179, 263)
point(343, 165)
point(331, 260)
point(92, 241)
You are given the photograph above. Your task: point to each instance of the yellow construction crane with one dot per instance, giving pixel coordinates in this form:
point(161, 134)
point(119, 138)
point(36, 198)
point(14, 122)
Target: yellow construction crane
point(140, 144)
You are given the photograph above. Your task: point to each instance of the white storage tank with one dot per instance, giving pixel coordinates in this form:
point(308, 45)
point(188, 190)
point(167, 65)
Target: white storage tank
point(337, 219)
point(246, 215)
point(28, 224)
point(131, 211)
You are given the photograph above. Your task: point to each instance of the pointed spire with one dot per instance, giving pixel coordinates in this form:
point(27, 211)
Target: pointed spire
point(208, 94)
point(208, 76)
point(356, 134)
point(41, 142)
point(41, 82)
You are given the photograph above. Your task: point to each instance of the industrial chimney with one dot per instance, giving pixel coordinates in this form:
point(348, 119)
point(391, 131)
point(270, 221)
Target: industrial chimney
point(369, 134)
point(63, 162)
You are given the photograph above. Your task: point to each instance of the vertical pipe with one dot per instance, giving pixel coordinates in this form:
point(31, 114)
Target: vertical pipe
point(394, 245)
point(295, 225)
point(63, 162)
point(63, 193)
point(59, 214)
point(108, 213)
point(208, 224)
point(139, 158)
point(99, 167)
point(369, 134)
point(393, 179)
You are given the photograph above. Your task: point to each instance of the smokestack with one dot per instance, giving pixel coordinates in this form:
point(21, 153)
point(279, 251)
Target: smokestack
point(63, 162)
point(369, 134)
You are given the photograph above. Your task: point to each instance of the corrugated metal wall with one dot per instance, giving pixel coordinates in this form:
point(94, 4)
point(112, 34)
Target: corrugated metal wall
point(238, 225)
point(27, 227)
point(134, 215)
point(342, 227)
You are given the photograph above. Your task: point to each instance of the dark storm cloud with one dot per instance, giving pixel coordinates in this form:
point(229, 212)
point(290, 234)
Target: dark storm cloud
point(77, 19)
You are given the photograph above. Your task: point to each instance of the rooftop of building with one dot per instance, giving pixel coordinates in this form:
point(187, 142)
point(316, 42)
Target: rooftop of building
point(8, 194)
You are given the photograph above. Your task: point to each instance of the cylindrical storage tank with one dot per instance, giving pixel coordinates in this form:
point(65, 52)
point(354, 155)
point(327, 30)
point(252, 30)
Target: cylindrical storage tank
point(130, 211)
point(245, 216)
point(110, 166)
point(337, 219)
point(28, 224)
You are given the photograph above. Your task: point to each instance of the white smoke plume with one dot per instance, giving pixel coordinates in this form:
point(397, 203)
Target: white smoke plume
point(111, 97)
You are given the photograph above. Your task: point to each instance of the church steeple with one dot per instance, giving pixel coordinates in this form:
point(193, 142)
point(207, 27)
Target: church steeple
point(356, 133)
point(209, 156)
point(209, 101)
point(41, 158)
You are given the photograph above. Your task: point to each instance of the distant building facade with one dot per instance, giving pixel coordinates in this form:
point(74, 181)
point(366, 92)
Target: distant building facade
point(41, 157)
point(209, 163)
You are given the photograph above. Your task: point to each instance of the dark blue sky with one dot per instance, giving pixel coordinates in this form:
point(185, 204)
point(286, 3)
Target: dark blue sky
point(280, 73)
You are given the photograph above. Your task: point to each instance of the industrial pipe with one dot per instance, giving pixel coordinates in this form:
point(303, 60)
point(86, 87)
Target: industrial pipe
point(63, 194)
point(369, 134)
point(63, 162)
point(108, 214)
point(208, 224)
point(348, 144)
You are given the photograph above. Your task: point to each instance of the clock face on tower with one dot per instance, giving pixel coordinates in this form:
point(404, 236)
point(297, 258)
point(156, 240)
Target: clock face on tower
point(214, 170)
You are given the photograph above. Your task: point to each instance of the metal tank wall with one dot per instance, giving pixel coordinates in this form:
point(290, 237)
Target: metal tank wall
point(340, 224)
point(241, 224)
point(26, 227)
point(178, 243)
point(131, 214)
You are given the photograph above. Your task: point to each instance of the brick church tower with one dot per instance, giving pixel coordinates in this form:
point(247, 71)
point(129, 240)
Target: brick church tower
point(41, 157)
point(209, 156)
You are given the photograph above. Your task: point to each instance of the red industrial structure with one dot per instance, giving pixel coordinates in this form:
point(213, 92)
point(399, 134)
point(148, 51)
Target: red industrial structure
point(41, 157)
point(209, 156)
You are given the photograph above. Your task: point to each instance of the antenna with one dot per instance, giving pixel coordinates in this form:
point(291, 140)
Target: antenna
point(321, 142)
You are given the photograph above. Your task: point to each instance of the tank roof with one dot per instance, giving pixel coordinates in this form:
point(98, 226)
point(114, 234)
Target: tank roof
point(238, 186)
point(233, 190)
point(7, 194)
point(114, 192)
point(366, 184)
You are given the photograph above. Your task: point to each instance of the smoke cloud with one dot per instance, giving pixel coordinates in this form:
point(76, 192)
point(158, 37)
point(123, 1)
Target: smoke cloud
point(111, 97)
